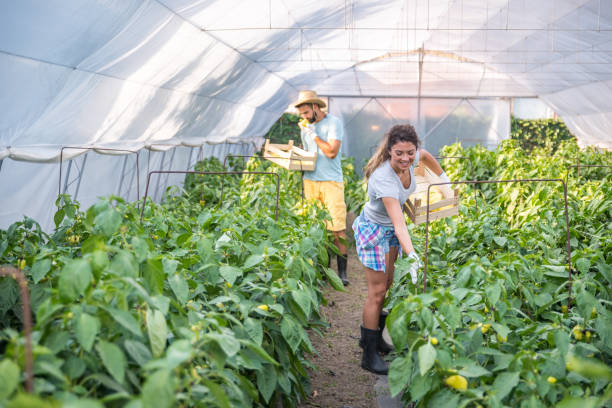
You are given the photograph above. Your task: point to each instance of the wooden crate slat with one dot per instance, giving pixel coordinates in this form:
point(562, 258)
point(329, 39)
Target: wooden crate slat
point(417, 210)
point(289, 156)
point(454, 201)
point(436, 215)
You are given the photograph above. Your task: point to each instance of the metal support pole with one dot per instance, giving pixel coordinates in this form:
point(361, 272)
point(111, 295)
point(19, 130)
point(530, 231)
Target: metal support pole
point(78, 187)
point(159, 178)
point(67, 176)
point(61, 159)
point(122, 176)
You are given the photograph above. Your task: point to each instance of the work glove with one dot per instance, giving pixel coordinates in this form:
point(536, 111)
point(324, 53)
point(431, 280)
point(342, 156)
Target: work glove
point(414, 267)
point(446, 189)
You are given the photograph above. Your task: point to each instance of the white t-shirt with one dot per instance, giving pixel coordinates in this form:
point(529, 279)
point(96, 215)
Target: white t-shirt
point(385, 182)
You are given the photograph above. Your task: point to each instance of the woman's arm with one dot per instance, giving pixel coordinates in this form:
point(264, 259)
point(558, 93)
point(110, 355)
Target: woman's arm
point(394, 211)
point(434, 166)
point(430, 161)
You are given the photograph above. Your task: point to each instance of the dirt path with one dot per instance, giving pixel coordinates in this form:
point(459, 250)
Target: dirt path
point(339, 380)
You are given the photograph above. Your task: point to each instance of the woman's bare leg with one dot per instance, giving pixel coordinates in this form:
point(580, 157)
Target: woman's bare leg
point(377, 289)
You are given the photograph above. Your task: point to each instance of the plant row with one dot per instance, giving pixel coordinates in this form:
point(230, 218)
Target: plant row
point(206, 303)
point(497, 326)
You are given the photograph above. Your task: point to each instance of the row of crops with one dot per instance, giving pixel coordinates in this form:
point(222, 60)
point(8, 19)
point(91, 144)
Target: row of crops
point(496, 328)
point(206, 303)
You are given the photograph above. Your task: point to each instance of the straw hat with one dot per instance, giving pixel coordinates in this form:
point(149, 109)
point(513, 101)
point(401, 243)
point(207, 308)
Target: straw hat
point(308, 97)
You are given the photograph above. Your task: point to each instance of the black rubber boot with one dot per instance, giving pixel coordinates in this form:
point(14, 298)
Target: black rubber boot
point(342, 269)
point(383, 347)
point(370, 360)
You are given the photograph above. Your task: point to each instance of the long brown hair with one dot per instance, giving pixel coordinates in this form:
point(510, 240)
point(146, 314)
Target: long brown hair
point(398, 133)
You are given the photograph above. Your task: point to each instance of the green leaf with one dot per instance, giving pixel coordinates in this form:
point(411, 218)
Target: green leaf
point(493, 293)
point(40, 269)
point(583, 265)
point(179, 287)
point(603, 325)
point(125, 319)
point(94, 243)
point(504, 383)
point(141, 249)
point(59, 217)
point(178, 352)
point(153, 274)
point(169, 266)
point(334, 279)
point(399, 374)
point(589, 368)
point(220, 396)
point(427, 357)
point(138, 351)
point(291, 332)
point(229, 344)
point(473, 370)
point(420, 386)
point(9, 378)
point(252, 260)
point(87, 328)
point(82, 403)
point(577, 402)
point(74, 367)
point(501, 329)
point(303, 301)
point(157, 330)
point(113, 359)
point(259, 351)
point(158, 390)
point(74, 278)
point(266, 383)
point(254, 330)
point(606, 271)
point(53, 369)
point(543, 299)
point(124, 264)
point(230, 273)
point(444, 398)
point(562, 341)
point(501, 241)
point(108, 221)
point(427, 318)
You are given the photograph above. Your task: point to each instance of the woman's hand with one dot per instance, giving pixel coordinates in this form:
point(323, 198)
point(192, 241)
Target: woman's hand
point(414, 267)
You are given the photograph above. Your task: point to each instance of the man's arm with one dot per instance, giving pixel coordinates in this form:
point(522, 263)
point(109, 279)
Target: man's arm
point(329, 149)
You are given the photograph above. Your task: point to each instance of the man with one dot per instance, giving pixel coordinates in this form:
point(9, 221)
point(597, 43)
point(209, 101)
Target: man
point(322, 133)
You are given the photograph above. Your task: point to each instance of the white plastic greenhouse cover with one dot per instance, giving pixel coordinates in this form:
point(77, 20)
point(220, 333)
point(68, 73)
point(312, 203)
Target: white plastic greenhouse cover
point(173, 79)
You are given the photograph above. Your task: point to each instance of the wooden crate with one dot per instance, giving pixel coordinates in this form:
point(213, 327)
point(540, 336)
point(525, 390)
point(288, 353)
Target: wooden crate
point(289, 156)
point(416, 205)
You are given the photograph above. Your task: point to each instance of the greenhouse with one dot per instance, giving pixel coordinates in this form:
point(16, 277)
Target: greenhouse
point(186, 189)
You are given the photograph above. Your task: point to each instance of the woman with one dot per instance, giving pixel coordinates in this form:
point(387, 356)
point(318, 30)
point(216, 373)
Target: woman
point(380, 230)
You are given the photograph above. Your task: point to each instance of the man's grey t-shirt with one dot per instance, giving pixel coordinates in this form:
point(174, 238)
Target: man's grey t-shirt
point(384, 182)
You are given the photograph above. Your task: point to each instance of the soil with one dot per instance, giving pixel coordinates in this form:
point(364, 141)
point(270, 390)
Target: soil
point(338, 380)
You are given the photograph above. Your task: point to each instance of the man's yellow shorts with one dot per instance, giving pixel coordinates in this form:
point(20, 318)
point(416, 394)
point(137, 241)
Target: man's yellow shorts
point(331, 194)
